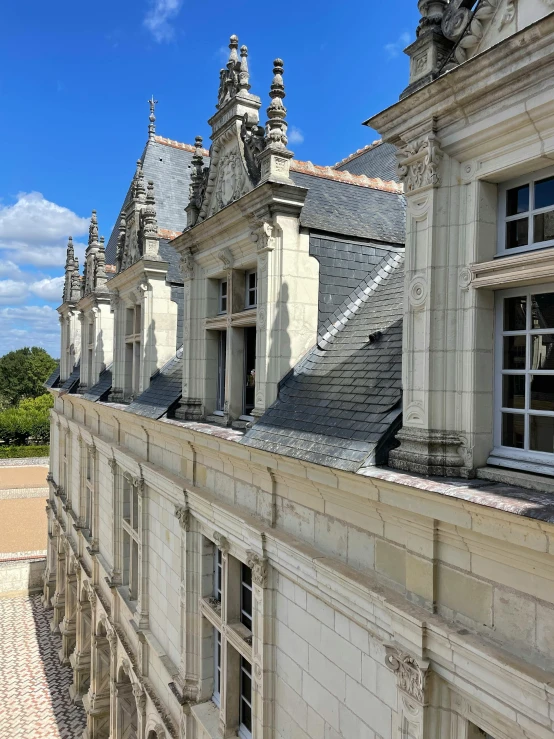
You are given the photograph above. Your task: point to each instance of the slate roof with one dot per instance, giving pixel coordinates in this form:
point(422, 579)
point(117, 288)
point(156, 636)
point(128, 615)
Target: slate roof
point(350, 210)
point(53, 380)
point(375, 160)
point(341, 405)
point(164, 390)
point(73, 379)
point(103, 386)
point(168, 167)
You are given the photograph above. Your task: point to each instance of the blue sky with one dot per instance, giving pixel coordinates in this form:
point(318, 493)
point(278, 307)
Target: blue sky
point(75, 78)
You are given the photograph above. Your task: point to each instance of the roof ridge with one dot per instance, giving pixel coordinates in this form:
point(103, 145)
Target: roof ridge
point(360, 180)
point(358, 297)
point(359, 152)
point(178, 145)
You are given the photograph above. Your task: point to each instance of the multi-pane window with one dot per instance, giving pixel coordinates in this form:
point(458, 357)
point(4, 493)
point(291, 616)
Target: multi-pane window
point(90, 353)
point(251, 298)
point(89, 488)
point(222, 306)
point(249, 369)
point(221, 370)
point(245, 712)
point(525, 376)
point(131, 537)
point(527, 213)
point(227, 610)
point(133, 330)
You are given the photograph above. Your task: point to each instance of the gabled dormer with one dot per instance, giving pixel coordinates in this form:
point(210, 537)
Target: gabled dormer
point(95, 313)
point(69, 314)
point(145, 316)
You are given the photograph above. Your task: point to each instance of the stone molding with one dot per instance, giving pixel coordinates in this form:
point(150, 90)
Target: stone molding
point(512, 271)
point(259, 568)
point(429, 452)
point(183, 516)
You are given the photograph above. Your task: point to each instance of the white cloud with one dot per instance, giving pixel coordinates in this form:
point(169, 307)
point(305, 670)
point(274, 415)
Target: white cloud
point(295, 135)
point(158, 18)
point(9, 269)
point(394, 49)
point(12, 291)
point(29, 325)
point(51, 289)
point(36, 221)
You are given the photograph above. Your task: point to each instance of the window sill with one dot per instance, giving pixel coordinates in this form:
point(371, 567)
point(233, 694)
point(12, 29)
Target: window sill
point(523, 473)
point(528, 268)
point(207, 715)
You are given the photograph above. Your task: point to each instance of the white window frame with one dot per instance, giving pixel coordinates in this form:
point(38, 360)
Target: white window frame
point(223, 297)
point(218, 673)
point(503, 219)
point(244, 612)
point(526, 459)
point(134, 340)
point(247, 302)
point(244, 732)
point(134, 538)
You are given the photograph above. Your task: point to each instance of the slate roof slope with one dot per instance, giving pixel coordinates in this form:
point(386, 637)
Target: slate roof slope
point(53, 380)
point(164, 390)
point(168, 166)
point(375, 160)
point(73, 379)
point(351, 210)
point(340, 406)
point(103, 386)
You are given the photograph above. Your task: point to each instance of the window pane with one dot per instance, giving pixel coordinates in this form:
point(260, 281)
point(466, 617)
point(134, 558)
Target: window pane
point(517, 200)
point(513, 429)
point(544, 193)
point(135, 508)
point(515, 310)
point(542, 310)
point(517, 233)
point(541, 433)
point(513, 391)
point(514, 352)
point(544, 227)
point(542, 393)
point(542, 353)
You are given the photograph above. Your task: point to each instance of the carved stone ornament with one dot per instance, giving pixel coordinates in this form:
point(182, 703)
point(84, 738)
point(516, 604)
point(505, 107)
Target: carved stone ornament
point(231, 179)
point(183, 516)
point(467, 27)
point(113, 465)
point(410, 676)
point(140, 697)
point(262, 235)
point(186, 265)
point(418, 164)
point(221, 542)
point(226, 258)
point(258, 565)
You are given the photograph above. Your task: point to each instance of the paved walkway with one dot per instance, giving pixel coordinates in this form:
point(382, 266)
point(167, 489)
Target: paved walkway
point(34, 695)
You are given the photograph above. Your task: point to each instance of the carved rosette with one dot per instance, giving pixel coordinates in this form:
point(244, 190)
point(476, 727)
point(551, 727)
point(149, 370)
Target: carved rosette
point(183, 516)
point(258, 565)
point(410, 675)
point(419, 164)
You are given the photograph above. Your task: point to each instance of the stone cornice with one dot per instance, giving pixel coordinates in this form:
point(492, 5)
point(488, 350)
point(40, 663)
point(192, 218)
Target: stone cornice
point(270, 198)
point(477, 83)
point(520, 269)
point(134, 275)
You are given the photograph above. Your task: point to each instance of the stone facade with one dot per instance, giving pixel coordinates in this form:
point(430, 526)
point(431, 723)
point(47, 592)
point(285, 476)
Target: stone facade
point(207, 588)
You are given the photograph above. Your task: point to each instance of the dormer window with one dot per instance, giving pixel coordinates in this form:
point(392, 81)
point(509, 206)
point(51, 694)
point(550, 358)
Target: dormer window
point(251, 298)
point(222, 296)
point(527, 213)
point(133, 349)
point(90, 352)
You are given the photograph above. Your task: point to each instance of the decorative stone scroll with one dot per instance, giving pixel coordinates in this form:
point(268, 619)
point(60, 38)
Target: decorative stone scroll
point(409, 674)
point(221, 542)
point(258, 565)
point(419, 162)
point(183, 516)
point(186, 264)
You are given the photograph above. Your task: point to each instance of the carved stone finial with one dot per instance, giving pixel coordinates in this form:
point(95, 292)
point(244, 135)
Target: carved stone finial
point(139, 191)
point(198, 181)
point(152, 118)
point(276, 130)
point(100, 278)
point(93, 229)
point(431, 47)
point(72, 283)
point(121, 240)
point(409, 674)
point(150, 223)
point(244, 76)
point(229, 77)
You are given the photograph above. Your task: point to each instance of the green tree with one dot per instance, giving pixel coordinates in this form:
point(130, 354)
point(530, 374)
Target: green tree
point(23, 373)
point(30, 420)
